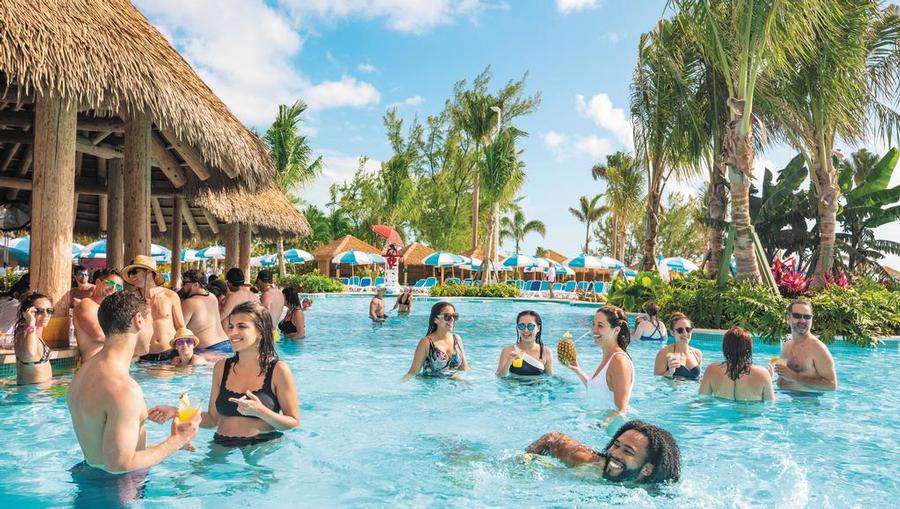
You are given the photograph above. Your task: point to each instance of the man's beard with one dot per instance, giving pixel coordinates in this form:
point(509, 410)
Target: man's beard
point(625, 475)
point(798, 328)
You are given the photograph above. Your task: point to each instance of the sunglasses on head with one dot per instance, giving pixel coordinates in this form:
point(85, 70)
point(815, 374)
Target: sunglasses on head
point(44, 311)
point(682, 330)
point(184, 342)
point(530, 326)
point(804, 316)
point(112, 284)
point(450, 317)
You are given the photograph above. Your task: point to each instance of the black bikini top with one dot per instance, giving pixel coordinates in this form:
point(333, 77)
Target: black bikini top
point(287, 326)
point(265, 394)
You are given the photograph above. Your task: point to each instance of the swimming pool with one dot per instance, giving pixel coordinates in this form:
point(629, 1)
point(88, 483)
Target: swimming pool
point(366, 440)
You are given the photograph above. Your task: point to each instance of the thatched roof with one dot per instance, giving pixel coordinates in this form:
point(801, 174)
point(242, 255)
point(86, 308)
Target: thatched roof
point(268, 210)
point(345, 243)
point(555, 256)
point(478, 252)
point(109, 60)
point(415, 253)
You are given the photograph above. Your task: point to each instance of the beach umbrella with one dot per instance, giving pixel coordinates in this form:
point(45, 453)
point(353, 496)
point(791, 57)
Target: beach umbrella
point(212, 253)
point(584, 261)
point(443, 259)
point(520, 260)
point(20, 248)
point(357, 258)
point(297, 256)
point(189, 255)
point(679, 264)
point(160, 253)
point(266, 260)
point(388, 233)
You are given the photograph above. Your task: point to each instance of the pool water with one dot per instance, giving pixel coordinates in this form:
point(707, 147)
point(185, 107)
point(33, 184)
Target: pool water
point(368, 440)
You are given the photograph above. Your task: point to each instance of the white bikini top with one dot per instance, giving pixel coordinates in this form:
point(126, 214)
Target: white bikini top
point(599, 390)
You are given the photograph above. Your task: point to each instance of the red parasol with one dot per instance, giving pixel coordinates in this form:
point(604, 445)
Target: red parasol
point(388, 233)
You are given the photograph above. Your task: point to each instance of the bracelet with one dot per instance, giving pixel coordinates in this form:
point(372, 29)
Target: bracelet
point(30, 329)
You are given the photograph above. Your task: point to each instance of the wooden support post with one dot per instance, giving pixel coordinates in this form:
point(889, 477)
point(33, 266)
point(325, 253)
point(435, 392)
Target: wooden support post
point(102, 199)
point(178, 209)
point(158, 214)
point(51, 226)
point(115, 221)
point(137, 185)
point(189, 218)
point(246, 245)
point(79, 160)
point(231, 243)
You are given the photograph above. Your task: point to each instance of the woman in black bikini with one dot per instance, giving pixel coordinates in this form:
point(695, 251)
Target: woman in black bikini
point(253, 396)
point(32, 354)
point(679, 360)
point(404, 301)
point(293, 326)
point(528, 356)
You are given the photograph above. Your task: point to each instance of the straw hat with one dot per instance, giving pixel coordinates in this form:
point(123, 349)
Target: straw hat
point(184, 333)
point(143, 262)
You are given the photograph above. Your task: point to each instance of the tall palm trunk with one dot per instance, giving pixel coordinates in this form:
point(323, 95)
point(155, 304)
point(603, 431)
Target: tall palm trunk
point(475, 193)
point(651, 230)
point(829, 193)
point(622, 234)
point(739, 151)
point(614, 233)
point(282, 270)
point(587, 237)
point(718, 206)
point(489, 264)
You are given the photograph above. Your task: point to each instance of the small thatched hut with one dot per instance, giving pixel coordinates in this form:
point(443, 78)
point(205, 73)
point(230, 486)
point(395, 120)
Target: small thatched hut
point(325, 253)
point(411, 258)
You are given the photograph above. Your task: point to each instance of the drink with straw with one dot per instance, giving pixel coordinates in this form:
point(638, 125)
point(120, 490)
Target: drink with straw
point(185, 410)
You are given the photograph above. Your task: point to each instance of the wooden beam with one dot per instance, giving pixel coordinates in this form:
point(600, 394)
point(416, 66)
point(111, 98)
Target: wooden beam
point(177, 212)
point(52, 225)
point(102, 151)
point(100, 137)
point(11, 118)
point(23, 137)
point(188, 217)
point(136, 166)
point(11, 94)
point(211, 221)
point(228, 169)
point(115, 247)
point(24, 166)
point(8, 155)
point(165, 161)
point(91, 187)
point(158, 214)
point(191, 157)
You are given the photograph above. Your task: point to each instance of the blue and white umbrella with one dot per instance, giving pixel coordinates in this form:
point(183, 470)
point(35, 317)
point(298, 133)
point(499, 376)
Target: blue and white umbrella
point(160, 254)
point(585, 261)
point(520, 260)
point(212, 253)
point(297, 256)
point(268, 260)
point(679, 264)
point(357, 258)
point(443, 259)
point(189, 255)
point(20, 249)
point(560, 269)
point(97, 251)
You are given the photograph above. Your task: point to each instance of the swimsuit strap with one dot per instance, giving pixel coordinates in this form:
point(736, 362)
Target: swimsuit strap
point(656, 328)
point(228, 363)
point(267, 381)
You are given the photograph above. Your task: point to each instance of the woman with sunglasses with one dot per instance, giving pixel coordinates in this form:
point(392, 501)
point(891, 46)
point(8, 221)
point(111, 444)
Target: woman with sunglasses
point(679, 360)
point(184, 343)
point(737, 378)
point(32, 354)
point(440, 353)
point(528, 356)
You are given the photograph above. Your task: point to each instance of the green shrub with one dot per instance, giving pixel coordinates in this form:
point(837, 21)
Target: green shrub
point(455, 290)
point(754, 308)
point(633, 295)
point(859, 313)
point(311, 283)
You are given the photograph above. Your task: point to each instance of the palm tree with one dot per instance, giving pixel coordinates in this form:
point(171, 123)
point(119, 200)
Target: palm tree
point(623, 195)
point(516, 228)
point(741, 41)
point(501, 175)
point(589, 211)
point(292, 156)
point(847, 82)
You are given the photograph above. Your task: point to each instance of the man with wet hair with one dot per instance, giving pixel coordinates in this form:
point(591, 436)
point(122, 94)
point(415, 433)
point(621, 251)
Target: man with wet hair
point(88, 334)
point(270, 295)
point(107, 406)
point(238, 293)
point(201, 314)
point(81, 286)
point(805, 365)
point(639, 452)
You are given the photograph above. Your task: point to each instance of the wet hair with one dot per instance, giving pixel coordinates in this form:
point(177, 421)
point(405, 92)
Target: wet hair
point(291, 296)
point(662, 451)
point(211, 278)
point(78, 268)
point(794, 302)
point(435, 311)
point(674, 317)
point(117, 310)
point(737, 345)
point(217, 287)
point(194, 276)
point(262, 320)
point(537, 320)
point(27, 302)
point(651, 309)
point(616, 318)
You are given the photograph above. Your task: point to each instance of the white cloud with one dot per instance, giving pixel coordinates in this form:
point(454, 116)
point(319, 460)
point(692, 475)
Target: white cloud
point(345, 92)
point(570, 6)
point(338, 169)
point(613, 37)
point(409, 101)
point(554, 139)
point(594, 146)
point(366, 68)
point(601, 111)
point(414, 16)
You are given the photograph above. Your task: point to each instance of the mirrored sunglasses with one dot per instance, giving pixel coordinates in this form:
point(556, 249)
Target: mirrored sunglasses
point(529, 326)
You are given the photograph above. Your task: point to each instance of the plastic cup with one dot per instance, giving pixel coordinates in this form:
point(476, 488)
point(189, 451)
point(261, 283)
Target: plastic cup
point(517, 363)
point(185, 414)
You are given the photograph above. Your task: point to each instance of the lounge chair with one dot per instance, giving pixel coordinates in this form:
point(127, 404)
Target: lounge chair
point(430, 282)
point(451, 281)
point(558, 290)
point(345, 281)
point(582, 286)
point(467, 281)
point(418, 287)
point(569, 289)
point(379, 282)
point(532, 289)
point(365, 284)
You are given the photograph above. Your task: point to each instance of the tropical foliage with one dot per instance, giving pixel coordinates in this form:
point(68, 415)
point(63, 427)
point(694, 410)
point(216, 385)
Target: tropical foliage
point(311, 283)
point(493, 290)
point(515, 228)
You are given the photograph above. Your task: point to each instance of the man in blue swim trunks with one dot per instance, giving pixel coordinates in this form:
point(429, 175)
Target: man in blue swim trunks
point(201, 314)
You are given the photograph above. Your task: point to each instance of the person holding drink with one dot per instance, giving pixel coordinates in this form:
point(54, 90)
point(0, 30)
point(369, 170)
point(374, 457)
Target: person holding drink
point(679, 360)
point(528, 356)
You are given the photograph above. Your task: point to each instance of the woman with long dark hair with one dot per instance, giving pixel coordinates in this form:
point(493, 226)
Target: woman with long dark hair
point(253, 396)
point(32, 354)
point(527, 356)
point(737, 378)
point(650, 328)
point(293, 326)
point(613, 379)
point(440, 353)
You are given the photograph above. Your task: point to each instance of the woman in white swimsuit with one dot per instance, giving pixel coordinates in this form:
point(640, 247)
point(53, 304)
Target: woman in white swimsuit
point(613, 379)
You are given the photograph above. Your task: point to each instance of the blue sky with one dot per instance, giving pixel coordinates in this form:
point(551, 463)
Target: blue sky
point(353, 59)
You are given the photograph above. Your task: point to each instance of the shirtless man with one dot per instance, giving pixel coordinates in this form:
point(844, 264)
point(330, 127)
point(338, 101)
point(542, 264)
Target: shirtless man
point(376, 306)
point(81, 288)
point(238, 293)
point(808, 365)
point(165, 308)
point(88, 333)
point(201, 314)
point(107, 406)
point(270, 296)
point(639, 452)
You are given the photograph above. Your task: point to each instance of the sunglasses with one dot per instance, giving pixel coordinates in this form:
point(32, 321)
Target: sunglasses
point(184, 342)
point(682, 330)
point(804, 316)
point(112, 284)
point(134, 271)
point(82, 274)
point(44, 311)
point(448, 317)
point(529, 326)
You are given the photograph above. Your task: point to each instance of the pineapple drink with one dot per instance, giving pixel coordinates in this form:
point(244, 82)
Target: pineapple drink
point(565, 349)
point(777, 361)
point(517, 363)
point(185, 410)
